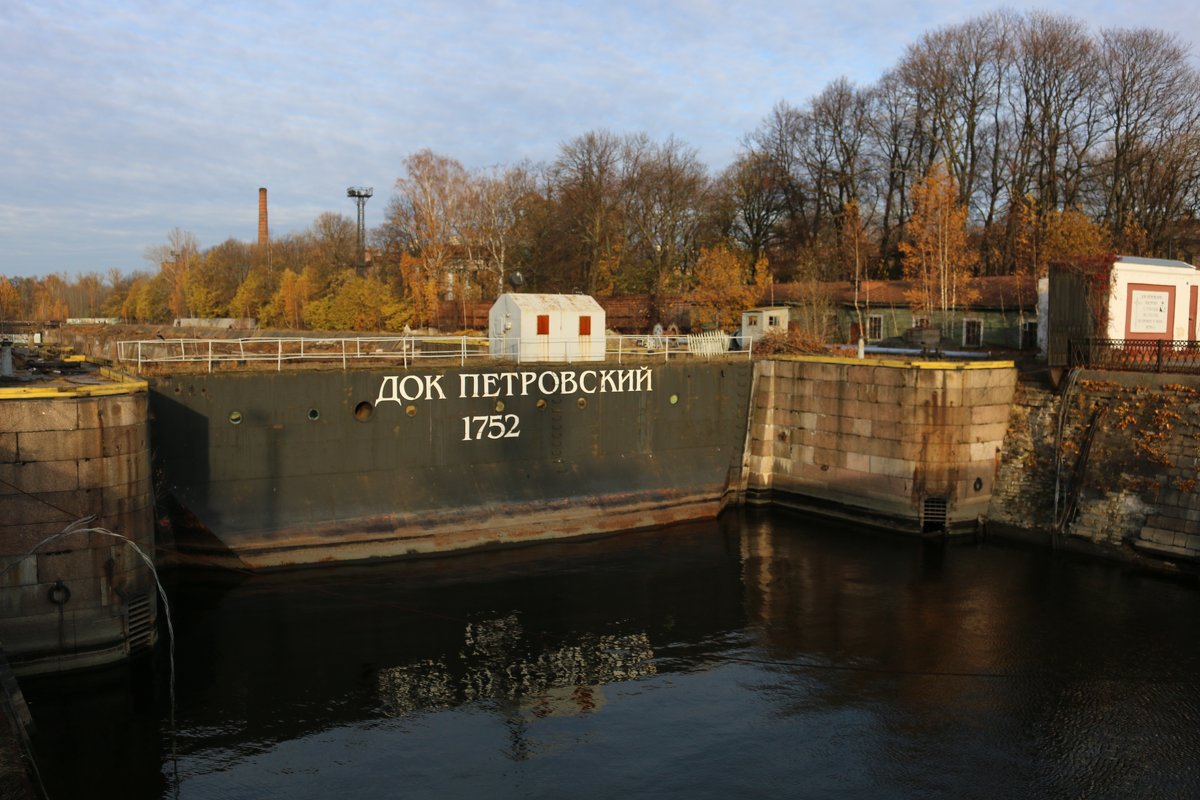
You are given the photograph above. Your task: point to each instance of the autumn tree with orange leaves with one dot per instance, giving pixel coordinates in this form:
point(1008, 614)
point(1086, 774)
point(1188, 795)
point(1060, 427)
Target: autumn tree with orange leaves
point(726, 286)
point(936, 255)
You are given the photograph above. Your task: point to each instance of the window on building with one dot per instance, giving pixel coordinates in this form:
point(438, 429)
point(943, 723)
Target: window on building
point(752, 321)
point(972, 332)
point(874, 327)
point(1029, 332)
point(920, 322)
point(772, 321)
point(543, 322)
point(585, 326)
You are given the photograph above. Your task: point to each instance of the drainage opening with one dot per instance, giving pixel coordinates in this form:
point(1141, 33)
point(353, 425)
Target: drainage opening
point(139, 624)
point(933, 515)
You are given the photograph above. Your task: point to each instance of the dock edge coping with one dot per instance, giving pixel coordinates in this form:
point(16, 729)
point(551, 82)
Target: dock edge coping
point(118, 383)
point(896, 363)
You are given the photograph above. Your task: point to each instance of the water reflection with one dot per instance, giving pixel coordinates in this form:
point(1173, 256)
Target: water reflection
point(747, 657)
point(498, 663)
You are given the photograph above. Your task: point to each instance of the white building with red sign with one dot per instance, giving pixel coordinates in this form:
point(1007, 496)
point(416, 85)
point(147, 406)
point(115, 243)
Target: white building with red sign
point(1152, 298)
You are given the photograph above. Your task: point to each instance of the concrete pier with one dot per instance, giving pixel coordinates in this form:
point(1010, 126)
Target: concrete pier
point(912, 445)
point(74, 454)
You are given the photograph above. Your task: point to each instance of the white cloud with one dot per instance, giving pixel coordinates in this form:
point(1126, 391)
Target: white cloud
point(124, 120)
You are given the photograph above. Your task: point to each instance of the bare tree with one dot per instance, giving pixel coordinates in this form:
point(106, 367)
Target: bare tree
point(1151, 98)
point(664, 189)
point(585, 186)
point(430, 214)
point(752, 204)
point(499, 201)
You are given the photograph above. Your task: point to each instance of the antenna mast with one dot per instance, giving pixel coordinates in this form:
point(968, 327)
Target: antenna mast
point(361, 194)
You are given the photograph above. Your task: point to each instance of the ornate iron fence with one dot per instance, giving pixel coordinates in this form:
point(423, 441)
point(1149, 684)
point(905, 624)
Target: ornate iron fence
point(1136, 355)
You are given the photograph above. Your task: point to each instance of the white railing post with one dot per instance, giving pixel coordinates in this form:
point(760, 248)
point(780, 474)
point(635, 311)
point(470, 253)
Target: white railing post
point(279, 355)
point(139, 356)
point(210, 355)
point(343, 355)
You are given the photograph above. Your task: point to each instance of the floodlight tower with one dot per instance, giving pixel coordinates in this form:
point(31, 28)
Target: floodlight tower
point(361, 194)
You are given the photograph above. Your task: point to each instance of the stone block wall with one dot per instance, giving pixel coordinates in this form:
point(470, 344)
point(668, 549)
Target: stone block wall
point(1024, 493)
point(1121, 474)
point(64, 603)
point(879, 438)
point(1135, 484)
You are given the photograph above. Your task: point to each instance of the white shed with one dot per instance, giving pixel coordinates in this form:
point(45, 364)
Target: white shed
point(758, 322)
point(547, 327)
point(1152, 298)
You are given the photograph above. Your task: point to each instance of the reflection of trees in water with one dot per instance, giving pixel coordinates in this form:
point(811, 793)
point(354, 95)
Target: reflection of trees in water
point(499, 662)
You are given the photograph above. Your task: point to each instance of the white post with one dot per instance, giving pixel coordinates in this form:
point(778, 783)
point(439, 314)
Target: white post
point(210, 355)
point(279, 355)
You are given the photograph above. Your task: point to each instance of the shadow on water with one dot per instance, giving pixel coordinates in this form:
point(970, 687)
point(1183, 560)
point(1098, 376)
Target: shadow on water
point(748, 656)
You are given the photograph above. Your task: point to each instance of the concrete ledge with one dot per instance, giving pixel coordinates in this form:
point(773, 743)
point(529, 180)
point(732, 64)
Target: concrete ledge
point(1173, 541)
point(893, 363)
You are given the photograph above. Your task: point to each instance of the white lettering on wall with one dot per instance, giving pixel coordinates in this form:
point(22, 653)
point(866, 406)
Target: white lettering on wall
point(407, 388)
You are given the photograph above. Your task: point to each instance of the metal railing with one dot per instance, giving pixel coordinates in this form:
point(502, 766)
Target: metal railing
point(1135, 355)
point(411, 350)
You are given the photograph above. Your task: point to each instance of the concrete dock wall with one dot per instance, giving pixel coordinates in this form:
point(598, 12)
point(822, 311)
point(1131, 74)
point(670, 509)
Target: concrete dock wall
point(66, 455)
point(912, 445)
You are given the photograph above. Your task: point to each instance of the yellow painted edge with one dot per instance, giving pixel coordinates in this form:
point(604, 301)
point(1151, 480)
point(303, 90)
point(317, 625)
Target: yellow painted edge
point(134, 384)
point(121, 384)
point(898, 363)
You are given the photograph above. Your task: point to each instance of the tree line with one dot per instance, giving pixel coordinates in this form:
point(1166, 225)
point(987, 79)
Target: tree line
point(992, 147)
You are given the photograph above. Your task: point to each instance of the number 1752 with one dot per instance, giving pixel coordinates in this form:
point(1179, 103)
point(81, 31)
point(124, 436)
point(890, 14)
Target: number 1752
point(495, 426)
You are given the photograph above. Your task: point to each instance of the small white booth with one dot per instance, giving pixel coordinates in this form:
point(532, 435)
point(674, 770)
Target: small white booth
point(758, 322)
point(547, 327)
point(1152, 298)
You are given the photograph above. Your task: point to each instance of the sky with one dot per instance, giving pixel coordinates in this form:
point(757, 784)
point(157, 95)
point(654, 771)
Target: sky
point(120, 121)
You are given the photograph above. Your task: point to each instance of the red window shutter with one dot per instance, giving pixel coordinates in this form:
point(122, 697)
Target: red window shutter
point(543, 325)
point(585, 326)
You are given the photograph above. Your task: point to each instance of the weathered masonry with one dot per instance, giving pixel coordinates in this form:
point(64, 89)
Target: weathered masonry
point(1110, 464)
point(69, 453)
point(909, 445)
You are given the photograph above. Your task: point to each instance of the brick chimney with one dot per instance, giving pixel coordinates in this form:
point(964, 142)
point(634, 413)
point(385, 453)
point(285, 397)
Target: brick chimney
point(262, 216)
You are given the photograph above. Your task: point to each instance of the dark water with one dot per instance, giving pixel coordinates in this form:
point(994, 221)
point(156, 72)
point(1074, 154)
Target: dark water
point(761, 656)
